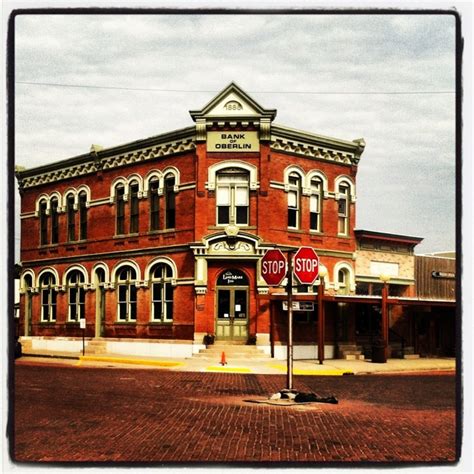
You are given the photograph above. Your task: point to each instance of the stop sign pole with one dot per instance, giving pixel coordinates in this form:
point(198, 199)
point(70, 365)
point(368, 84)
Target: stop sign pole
point(289, 344)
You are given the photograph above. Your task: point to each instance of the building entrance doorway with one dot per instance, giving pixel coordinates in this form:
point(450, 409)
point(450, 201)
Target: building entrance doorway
point(232, 306)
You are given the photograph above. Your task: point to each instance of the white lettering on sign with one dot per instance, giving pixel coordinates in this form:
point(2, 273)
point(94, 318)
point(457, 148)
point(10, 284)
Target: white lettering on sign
point(233, 141)
point(309, 265)
point(272, 267)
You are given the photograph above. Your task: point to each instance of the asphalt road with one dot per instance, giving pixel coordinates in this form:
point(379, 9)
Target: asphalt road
point(77, 414)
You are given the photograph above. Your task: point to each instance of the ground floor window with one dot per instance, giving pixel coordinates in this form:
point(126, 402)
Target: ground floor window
point(76, 296)
point(127, 295)
point(48, 298)
point(161, 293)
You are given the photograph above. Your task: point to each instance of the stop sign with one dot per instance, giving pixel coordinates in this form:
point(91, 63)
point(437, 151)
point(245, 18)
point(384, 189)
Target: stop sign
point(306, 265)
point(273, 267)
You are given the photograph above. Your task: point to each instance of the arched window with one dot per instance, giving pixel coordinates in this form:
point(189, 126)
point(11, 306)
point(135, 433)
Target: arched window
point(120, 209)
point(343, 281)
point(48, 297)
point(343, 208)
point(71, 218)
point(315, 204)
point(127, 294)
point(43, 217)
point(154, 204)
point(170, 202)
point(76, 295)
point(54, 221)
point(82, 215)
point(134, 207)
point(294, 200)
point(232, 197)
point(161, 293)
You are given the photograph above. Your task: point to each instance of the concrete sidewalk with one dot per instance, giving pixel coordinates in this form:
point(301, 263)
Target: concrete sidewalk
point(334, 367)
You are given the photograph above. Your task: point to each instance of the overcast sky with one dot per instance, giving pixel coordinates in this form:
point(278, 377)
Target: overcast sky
point(387, 78)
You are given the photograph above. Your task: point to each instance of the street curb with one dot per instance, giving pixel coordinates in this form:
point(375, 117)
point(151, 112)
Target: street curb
point(124, 360)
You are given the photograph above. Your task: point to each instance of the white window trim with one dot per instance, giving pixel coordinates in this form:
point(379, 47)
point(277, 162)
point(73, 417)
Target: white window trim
point(351, 275)
point(214, 169)
point(79, 268)
point(167, 261)
point(343, 179)
point(123, 263)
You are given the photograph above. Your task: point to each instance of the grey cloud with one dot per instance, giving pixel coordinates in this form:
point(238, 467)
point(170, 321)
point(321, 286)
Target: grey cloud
point(409, 138)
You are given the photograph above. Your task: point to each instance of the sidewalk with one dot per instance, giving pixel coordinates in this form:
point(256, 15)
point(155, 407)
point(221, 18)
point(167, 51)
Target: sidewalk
point(332, 367)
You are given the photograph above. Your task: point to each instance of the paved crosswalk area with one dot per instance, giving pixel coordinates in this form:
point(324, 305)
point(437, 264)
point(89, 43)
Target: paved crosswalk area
point(114, 413)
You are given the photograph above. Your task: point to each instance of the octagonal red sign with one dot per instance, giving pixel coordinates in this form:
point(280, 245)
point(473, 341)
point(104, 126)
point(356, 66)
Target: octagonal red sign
point(306, 265)
point(273, 267)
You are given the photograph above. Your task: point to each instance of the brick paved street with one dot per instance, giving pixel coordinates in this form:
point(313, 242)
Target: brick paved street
point(96, 414)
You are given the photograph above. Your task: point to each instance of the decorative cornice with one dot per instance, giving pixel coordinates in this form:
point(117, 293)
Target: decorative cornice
point(304, 149)
point(104, 160)
point(316, 146)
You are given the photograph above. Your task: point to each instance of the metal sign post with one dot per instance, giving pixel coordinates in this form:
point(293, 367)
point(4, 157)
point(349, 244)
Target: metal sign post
point(289, 347)
point(82, 325)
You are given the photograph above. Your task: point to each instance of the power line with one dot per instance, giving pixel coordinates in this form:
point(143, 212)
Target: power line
point(253, 92)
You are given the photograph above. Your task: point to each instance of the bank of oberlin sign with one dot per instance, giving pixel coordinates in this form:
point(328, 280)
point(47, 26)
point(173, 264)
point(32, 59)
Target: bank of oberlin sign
point(233, 141)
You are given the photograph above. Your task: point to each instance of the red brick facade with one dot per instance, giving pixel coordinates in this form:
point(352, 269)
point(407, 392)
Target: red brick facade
point(197, 249)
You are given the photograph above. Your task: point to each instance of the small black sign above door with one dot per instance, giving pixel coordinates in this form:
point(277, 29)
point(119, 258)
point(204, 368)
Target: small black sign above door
point(233, 277)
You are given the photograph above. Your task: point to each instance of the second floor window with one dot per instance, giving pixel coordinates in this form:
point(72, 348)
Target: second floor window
point(54, 221)
point(82, 216)
point(170, 203)
point(294, 205)
point(120, 210)
point(232, 197)
point(154, 203)
point(134, 208)
point(43, 223)
point(315, 203)
point(71, 218)
point(343, 209)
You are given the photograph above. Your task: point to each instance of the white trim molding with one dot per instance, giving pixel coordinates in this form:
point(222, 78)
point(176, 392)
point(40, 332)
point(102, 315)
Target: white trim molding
point(124, 263)
point(222, 165)
point(81, 269)
point(167, 261)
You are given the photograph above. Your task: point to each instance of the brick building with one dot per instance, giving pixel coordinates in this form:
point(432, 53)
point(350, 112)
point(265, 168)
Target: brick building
point(157, 243)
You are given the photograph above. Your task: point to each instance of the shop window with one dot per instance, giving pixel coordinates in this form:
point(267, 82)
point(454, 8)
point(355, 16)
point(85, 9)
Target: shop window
point(315, 204)
point(294, 204)
point(76, 296)
point(134, 208)
point(120, 210)
point(82, 216)
point(232, 197)
point(126, 295)
point(161, 293)
point(71, 218)
point(154, 205)
point(343, 209)
point(54, 221)
point(48, 297)
point(170, 202)
point(43, 217)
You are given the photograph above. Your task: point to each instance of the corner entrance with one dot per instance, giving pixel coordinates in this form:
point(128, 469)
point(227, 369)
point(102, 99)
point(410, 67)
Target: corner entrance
point(232, 306)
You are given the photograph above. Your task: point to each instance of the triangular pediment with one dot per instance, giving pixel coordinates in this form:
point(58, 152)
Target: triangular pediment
point(232, 102)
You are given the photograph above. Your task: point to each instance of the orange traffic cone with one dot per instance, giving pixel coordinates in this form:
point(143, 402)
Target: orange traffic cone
point(223, 361)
